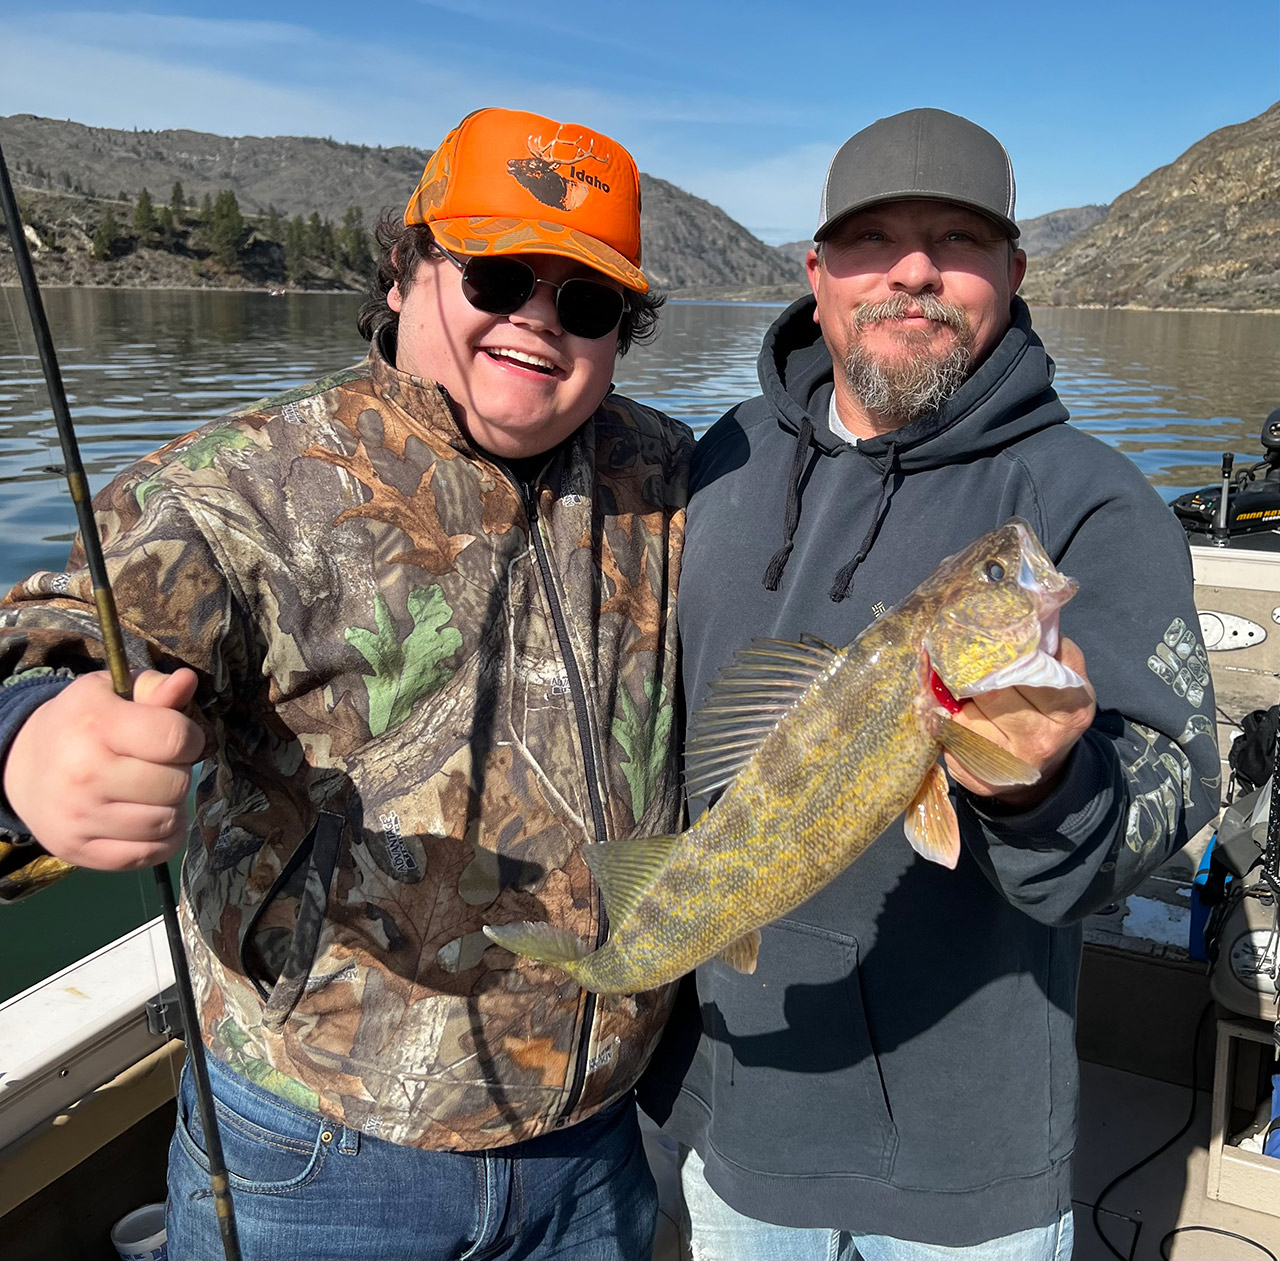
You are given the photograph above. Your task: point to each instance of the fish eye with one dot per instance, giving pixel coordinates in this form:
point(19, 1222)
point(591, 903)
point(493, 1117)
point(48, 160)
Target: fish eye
point(994, 570)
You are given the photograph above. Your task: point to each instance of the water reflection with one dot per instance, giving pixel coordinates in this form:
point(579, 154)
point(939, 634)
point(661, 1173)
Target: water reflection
point(1170, 389)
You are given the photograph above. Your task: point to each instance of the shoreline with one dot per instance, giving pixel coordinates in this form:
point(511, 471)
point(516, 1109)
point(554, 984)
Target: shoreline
point(744, 297)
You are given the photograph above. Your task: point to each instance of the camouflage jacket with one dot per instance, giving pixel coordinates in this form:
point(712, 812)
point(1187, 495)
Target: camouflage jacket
point(424, 689)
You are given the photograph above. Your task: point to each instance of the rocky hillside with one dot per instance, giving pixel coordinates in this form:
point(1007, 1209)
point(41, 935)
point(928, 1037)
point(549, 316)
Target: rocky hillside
point(797, 251)
point(1041, 235)
point(64, 233)
point(1046, 233)
point(294, 174)
point(688, 241)
point(1203, 231)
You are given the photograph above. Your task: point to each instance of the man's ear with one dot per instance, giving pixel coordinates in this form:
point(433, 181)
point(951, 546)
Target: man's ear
point(813, 272)
point(1017, 270)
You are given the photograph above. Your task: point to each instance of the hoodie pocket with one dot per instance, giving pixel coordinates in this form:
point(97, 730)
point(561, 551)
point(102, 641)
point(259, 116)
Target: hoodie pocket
point(796, 1087)
point(305, 881)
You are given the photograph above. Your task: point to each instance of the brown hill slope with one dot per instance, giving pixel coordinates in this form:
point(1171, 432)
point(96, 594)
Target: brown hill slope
point(1203, 231)
point(1046, 233)
point(61, 231)
point(296, 174)
point(688, 241)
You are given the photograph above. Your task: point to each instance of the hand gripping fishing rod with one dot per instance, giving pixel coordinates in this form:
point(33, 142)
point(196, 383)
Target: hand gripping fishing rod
point(122, 682)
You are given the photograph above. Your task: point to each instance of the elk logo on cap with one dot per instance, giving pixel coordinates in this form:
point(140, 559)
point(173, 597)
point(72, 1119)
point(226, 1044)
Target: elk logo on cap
point(558, 181)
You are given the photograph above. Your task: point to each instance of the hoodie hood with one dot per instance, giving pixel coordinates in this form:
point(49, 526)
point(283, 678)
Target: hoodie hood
point(1011, 394)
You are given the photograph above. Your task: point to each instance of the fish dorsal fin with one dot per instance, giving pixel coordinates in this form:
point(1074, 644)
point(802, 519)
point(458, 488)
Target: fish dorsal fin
point(743, 954)
point(982, 759)
point(765, 681)
point(930, 821)
point(625, 870)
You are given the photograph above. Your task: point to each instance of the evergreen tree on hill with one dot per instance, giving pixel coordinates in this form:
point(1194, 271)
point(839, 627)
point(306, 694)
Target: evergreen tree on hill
point(320, 239)
point(144, 217)
point(353, 240)
point(227, 229)
point(106, 237)
point(295, 249)
point(166, 230)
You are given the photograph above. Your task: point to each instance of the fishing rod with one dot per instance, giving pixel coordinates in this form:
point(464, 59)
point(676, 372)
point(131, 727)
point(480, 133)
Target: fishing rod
point(122, 682)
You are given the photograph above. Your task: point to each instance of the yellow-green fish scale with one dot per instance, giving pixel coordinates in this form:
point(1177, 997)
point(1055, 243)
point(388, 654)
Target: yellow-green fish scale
point(836, 772)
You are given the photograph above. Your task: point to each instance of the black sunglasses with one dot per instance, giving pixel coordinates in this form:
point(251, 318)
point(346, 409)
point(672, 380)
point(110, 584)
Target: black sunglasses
point(501, 285)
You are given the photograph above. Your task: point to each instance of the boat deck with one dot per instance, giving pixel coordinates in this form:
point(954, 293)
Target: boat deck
point(1123, 1118)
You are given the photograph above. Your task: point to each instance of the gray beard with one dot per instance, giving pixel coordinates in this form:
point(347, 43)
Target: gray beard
point(902, 390)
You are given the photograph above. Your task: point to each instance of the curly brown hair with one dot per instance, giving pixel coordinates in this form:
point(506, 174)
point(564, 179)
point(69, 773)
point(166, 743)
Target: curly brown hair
point(403, 246)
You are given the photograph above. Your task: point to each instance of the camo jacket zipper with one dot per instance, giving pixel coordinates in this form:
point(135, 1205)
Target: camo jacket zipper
point(529, 493)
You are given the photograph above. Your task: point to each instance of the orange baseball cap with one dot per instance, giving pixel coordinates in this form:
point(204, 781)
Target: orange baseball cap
point(507, 182)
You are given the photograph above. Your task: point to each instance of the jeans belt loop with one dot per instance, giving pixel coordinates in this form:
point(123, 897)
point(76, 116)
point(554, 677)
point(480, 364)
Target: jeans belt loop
point(349, 1142)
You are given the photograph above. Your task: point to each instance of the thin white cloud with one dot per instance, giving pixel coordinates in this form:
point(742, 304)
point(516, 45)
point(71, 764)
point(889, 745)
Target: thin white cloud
point(228, 76)
point(243, 77)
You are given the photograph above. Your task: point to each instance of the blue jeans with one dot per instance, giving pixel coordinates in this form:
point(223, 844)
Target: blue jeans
point(720, 1233)
point(305, 1187)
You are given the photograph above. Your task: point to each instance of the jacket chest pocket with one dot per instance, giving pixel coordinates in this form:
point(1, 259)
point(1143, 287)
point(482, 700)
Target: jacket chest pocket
point(278, 960)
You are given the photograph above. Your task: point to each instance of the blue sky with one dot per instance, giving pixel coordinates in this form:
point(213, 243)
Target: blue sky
point(737, 101)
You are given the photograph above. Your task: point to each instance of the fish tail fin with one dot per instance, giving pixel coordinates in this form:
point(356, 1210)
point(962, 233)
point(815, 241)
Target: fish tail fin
point(543, 942)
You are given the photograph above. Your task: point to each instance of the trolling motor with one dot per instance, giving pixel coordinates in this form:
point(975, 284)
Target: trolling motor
point(1247, 501)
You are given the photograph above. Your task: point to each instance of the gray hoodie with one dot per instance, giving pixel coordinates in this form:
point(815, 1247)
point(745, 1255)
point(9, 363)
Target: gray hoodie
point(903, 1060)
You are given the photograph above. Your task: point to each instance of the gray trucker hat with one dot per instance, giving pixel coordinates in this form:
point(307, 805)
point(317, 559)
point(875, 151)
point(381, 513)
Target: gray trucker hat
point(925, 153)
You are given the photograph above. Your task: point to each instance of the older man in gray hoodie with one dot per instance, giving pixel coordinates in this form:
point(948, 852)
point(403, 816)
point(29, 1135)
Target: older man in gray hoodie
point(898, 1078)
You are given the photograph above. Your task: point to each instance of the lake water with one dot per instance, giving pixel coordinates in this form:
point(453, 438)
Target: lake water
point(1172, 390)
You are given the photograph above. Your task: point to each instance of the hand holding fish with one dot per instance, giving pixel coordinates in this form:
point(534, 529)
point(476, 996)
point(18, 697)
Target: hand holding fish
point(1038, 725)
point(101, 782)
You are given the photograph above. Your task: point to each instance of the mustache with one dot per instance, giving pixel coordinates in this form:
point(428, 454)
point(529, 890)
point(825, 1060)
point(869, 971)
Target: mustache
point(901, 305)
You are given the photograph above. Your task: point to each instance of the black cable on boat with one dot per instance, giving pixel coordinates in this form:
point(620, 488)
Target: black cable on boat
point(122, 682)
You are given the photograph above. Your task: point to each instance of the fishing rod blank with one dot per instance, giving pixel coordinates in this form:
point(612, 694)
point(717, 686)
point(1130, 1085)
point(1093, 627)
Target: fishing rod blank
point(122, 682)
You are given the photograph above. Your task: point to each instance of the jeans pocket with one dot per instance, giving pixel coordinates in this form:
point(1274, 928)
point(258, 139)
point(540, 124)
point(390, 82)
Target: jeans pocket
point(269, 1146)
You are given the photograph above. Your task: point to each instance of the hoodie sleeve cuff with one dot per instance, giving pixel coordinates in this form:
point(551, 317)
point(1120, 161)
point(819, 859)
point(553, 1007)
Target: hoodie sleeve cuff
point(20, 697)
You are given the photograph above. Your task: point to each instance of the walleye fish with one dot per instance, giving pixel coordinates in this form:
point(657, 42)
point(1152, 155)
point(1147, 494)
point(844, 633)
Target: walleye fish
point(820, 749)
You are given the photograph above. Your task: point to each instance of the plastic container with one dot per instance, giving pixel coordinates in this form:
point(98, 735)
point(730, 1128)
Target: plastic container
point(140, 1235)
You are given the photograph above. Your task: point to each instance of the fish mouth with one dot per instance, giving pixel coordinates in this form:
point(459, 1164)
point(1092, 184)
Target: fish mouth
point(1038, 576)
point(1037, 668)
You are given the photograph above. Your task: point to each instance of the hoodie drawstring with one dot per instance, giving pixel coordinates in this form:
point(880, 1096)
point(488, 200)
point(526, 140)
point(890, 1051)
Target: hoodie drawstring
point(773, 574)
point(844, 579)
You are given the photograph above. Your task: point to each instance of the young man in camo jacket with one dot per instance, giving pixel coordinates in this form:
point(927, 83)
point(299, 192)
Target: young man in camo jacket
point(421, 615)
